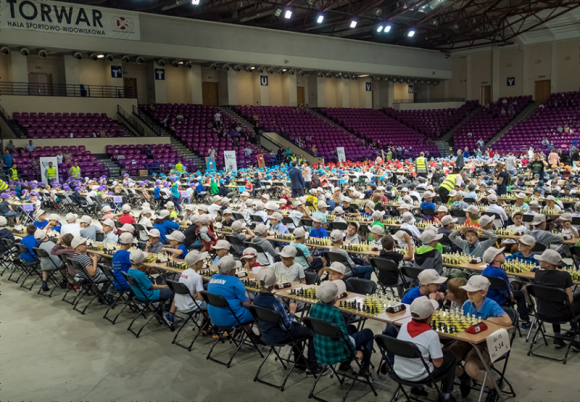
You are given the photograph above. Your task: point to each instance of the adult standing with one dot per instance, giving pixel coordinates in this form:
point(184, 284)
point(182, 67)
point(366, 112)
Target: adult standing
point(537, 167)
point(75, 170)
point(7, 160)
point(307, 175)
point(211, 152)
point(296, 180)
point(459, 162)
point(450, 183)
point(421, 165)
point(501, 178)
point(30, 147)
point(510, 164)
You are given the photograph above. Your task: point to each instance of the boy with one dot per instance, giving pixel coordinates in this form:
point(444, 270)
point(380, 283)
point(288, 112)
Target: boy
point(227, 220)
point(79, 245)
point(6, 209)
point(307, 261)
point(377, 233)
point(261, 232)
point(336, 236)
point(41, 221)
point(518, 226)
point(108, 230)
point(336, 273)
point(276, 223)
point(331, 351)
point(428, 255)
point(441, 364)
point(250, 260)
point(288, 269)
point(540, 234)
point(121, 264)
point(146, 289)
point(177, 249)
point(471, 245)
point(388, 243)
point(317, 230)
point(53, 223)
point(427, 203)
point(52, 263)
point(222, 248)
point(238, 227)
point(87, 230)
point(30, 242)
point(5, 233)
point(429, 284)
point(126, 218)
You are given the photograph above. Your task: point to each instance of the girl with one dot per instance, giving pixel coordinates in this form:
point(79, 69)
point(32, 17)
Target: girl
point(455, 295)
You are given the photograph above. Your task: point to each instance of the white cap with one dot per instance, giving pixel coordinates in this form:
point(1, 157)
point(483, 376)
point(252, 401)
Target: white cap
point(518, 212)
point(520, 195)
point(404, 205)
point(3, 221)
point(226, 264)
point(249, 252)
point(485, 220)
point(442, 208)
point(270, 206)
point(222, 245)
point(137, 257)
point(377, 229)
point(452, 193)
point(70, 217)
point(228, 211)
point(429, 236)
point(338, 211)
point(245, 194)
point(405, 189)
point(126, 238)
point(163, 214)
point(492, 198)
point(127, 228)
point(336, 235)
point(277, 216)
point(40, 212)
point(126, 208)
point(318, 218)
point(106, 208)
point(202, 207)
point(288, 252)
point(327, 291)
point(39, 234)
point(177, 236)
point(322, 204)
point(550, 198)
point(422, 307)
point(267, 278)
point(566, 216)
point(86, 219)
point(216, 198)
point(203, 219)
point(378, 215)
point(408, 218)
point(346, 199)
point(428, 194)
point(261, 228)
point(265, 196)
point(428, 276)
point(238, 225)
point(189, 207)
point(491, 253)
point(154, 233)
point(538, 219)
point(399, 235)
point(109, 222)
point(476, 283)
point(194, 256)
point(550, 256)
point(77, 241)
point(53, 217)
point(169, 204)
point(299, 233)
point(146, 211)
point(297, 203)
point(472, 209)
point(370, 204)
point(336, 267)
point(528, 240)
point(447, 219)
point(534, 203)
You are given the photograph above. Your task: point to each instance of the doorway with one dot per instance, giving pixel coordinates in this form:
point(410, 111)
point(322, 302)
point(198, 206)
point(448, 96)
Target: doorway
point(130, 85)
point(40, 84)
point(210, 94)
point(485, 97)
point(543, 90)
point(300, 96)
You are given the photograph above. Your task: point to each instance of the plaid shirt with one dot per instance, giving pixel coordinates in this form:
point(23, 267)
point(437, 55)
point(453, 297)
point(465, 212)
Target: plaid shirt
point(331, 351)
point(520, 256)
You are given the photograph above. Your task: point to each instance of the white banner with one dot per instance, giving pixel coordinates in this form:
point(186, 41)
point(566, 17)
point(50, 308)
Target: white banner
point(341, 155)
point(70, 19)
point(44, 165)
point(231, 163)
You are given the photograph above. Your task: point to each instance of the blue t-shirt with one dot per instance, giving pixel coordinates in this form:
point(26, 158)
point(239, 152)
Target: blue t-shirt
point(427, 205)
point(489, 308)
point(411, 295)
point(199, 188)
point(40, 225)
point(121, 263)
point(501, 297)
point(318, 233)
point(30, 242)
point(156, 192)
point(57, 228)
point(163, 228)
point(175, 190)
point(184, 251)
point(234, 292)
point(144, 286)
point(302, 260)
point(281, 228)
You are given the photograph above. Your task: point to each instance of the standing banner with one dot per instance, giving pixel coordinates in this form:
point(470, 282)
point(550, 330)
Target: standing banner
point(230, 161)
point(341, 155)
point(261, 162)
point(69, 19)
point(209, 164)
point(44, 165)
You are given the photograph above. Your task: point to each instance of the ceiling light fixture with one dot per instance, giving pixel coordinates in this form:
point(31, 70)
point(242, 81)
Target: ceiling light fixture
point(387, 29)
point(411, 33)
point(353, 24)
point(195, 2)
point(288, 14)
point(100, 56)
point(320, 18)
point(380, 28)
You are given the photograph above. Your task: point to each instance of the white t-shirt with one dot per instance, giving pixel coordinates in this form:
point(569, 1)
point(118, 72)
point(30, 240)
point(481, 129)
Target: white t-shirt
point(307, 174)
point(428, 344)
point(73, 228)
point(194, 282)
point(292, 274)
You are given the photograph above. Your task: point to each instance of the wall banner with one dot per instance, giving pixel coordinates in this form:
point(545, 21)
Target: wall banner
point(230, 161)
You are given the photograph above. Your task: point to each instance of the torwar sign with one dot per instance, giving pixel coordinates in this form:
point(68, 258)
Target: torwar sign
point(70, 19)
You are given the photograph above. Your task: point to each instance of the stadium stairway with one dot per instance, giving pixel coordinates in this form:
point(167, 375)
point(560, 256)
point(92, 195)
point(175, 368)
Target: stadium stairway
point(114, 169)
point(443, 142)
point(199, 160)
point(527, 112)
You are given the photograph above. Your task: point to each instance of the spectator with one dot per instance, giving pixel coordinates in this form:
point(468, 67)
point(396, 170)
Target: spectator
point(296, 180)
point(30, 147)
point(10, 147)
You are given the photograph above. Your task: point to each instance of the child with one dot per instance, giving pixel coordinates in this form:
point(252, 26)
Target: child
point(471, 245)
point(52, 263)
point(472, 214)
point(205, 232)
point(277, 225)
point(172, 212)
point(388, 278)
point(108, 213)
point(322, 208)
point(518, 226)
point(250, 259)
point(227, 218)
point(109, 231)
point(30, 242)
point(5, 233)
point(145, 289)
point(455, 295)
point(441, 364)
point(409, 224)
point(177, 249)
point(429, 284)
point(427, 203)
point(428, 255)
point(41, 221)
point(358, 271)
point(6, 209)
point(126, 218)
point(308, 261)
point(288, 269)
point(221, 248)
point(338, 212)
point(53, 223)
point(336, 273)
point(79, 245)
point(87, 230)
point(121, 264)
point(377, 232)
point(317, 230)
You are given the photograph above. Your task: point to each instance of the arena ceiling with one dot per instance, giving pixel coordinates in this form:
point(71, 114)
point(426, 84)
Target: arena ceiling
point(437, 24)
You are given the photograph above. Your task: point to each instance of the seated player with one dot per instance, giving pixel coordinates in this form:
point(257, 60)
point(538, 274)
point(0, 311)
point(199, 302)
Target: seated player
point(126, 218)
point(146, 289)
point(40, 221)
point(317, 230)
point(177, 249)
point(261, 240)
point(358, 271)
point(87, 230)
point(455, 295)
point(441, 364)
point(377, 233)
point(250, 260)
point(429, 255)
point(429, 284)
point(288, 269)
point(388, 243)
point(471, 245)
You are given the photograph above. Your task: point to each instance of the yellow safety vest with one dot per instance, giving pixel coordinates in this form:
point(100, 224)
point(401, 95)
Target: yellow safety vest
point(179, 168)
point(3, 185)
point(14, 174)
point(449, 182)
point(421, 164)
point(76, 171)
point(50, 173)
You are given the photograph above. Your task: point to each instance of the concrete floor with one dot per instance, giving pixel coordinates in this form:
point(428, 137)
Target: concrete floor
point(51, 353)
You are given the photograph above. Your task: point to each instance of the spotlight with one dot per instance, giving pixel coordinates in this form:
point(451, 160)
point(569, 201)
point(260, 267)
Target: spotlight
point(261, 69)
point(109, 58)
point(380, 28)
point(411, 33)
point(94, 56)
point(161, 63)
point(320, 74)
point(337, 75)
point(139, 60)
point(42, 53)
point(189, 64)
point(270, 70)
point(78, 55)
point(125, 59)
point(24, 51)
point(346, 76)
point(248, 69)
point(175, 63)
point(387, 29)
point(281, 71)
point(291, 71)
point(237, 67)
point(5, 50)
point(353, 24)
point(226, 67)
point(100, 56)
point(447, 55)
point(435, 82)
point(213, 66)
point(328, 74)
point(300, 73)
point(195, 2)
point(320, 18)
point(288, 14)
point(353, 76)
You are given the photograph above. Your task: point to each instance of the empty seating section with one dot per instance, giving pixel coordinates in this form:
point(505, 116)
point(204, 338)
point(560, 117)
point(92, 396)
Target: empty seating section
point(559, 110)
point(489, 121)
point(63, 125)
point(195, 131)
point(310, 128)
point(29, 169)
point(133, 158)
point(432, 122)
point(374, 125)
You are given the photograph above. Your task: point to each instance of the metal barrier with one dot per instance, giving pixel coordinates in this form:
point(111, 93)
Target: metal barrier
point(149, 122)
point(82, 91)
point(429, 100)
point(13, 126)
point(136, 126)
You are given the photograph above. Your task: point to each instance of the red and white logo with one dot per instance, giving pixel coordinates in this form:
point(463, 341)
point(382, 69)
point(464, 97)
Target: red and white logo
point(123, 23)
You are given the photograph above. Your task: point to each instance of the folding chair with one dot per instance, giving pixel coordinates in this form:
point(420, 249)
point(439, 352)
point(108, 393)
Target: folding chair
point(552, 295)
point(219, 301)
point(331, 256)
point(193, 315)
point(306, 222)
point(575, 251)
point(257, 219)
point(410, 272)
point(407, 350)
point(8, 256)
point(239, 217)
point(29, 268)
point(124, 296)
point(235, 241)
point(42, 254)
point(143, 305)
point(384, 267)
point(257, 247)
point(339, 225)
point(330, 330)
point(539, 248)
point(460, 215)
point(311, 278)
point(363, 286)
point(501, 285)
point(272, 317)
point(364, 231)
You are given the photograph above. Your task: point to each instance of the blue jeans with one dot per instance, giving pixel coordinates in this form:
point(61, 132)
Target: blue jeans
point(363, 271)
point(177, 202)
point(364, 342)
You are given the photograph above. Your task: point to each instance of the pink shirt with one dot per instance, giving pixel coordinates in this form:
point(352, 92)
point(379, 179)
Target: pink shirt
point(553, 158)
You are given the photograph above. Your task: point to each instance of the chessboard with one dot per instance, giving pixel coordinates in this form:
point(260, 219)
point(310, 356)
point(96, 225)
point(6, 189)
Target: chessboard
point(452, 322)
point(207, 273)
point(369, 306)
point(252, 284)
point(304, 293)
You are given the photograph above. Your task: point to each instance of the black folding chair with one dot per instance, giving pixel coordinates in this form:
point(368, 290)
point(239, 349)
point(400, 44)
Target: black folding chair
point(311, 278)
point(8, 256)
point(89, 286)
point(539, 248)
point(552, 295)
point(528, 218)
point(265, 315)
point(384, 269)
point(428, 212)
point(406, 350)
point(257, 219)
point(306, 222)
point(339, 225)
point(31, 269)
point(42, 254)
point(459, 214)
point(363, 286)
point(257, 247)
point(123, 296)
point(330, 330)
point(219, 301)
point(179, 288)
point(235, 241)
point(410, 272)
point(575, 251)
point(332, 256)
point(501, 286)
point(469, 200)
